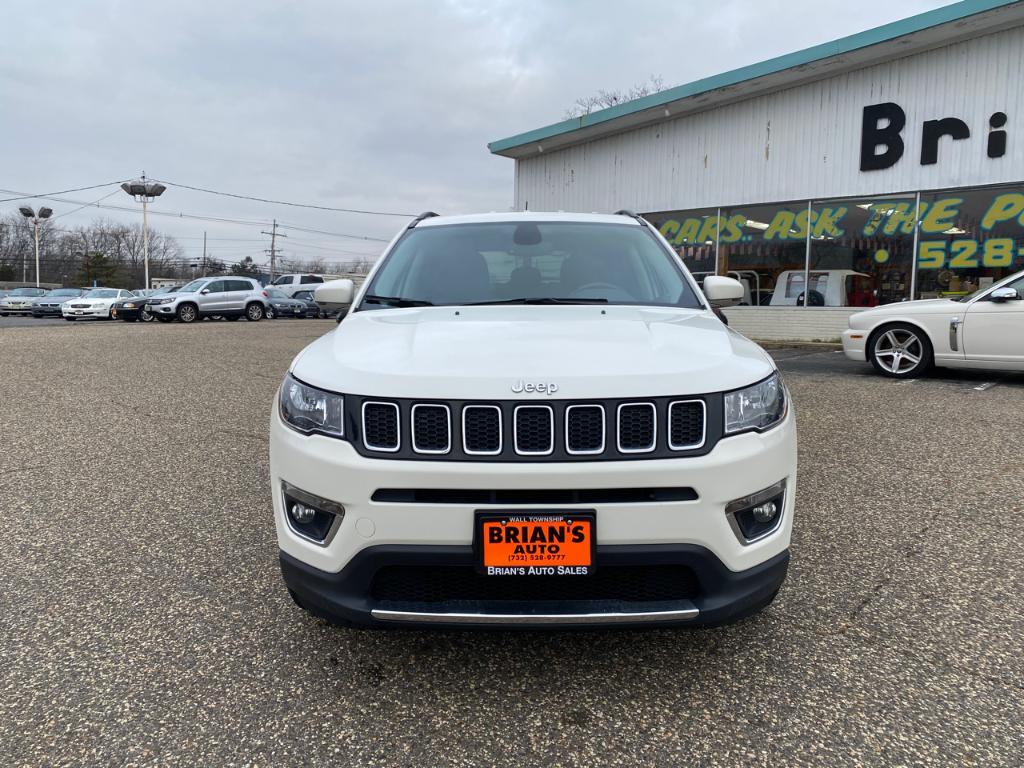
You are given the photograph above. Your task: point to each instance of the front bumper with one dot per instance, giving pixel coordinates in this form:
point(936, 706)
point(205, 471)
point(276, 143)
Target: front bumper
point(97, 312)
point(54, 311)
point(123, 313)
point(697, 532)
point(348, 596)
point(855, 344)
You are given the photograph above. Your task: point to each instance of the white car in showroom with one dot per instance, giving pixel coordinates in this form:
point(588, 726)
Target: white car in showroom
point(95, 303)
point(532, 420)
point(984, 329)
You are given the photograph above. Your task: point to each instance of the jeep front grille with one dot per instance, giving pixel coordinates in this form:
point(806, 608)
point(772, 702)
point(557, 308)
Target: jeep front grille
point(549, 430)
point(534, 430)
point(380, 426)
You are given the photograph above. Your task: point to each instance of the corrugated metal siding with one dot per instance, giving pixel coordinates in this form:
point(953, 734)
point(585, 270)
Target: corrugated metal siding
point(800, 143)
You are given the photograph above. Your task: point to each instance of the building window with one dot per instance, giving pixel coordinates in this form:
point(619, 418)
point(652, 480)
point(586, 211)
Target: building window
point(693, 236)
point(765, 248)
point(861, 251)
point(969, 239)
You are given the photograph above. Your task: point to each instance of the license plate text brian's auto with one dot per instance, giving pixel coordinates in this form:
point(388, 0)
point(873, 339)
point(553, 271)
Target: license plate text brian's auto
point(542, 545)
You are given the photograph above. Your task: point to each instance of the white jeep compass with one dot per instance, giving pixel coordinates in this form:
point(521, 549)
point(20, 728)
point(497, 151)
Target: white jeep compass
point(532, 419)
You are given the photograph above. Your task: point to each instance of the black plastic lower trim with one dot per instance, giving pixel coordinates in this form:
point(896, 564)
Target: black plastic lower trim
point(346, 597)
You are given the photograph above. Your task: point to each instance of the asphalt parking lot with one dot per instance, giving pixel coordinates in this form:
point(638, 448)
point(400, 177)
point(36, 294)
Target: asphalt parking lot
point(143, 619)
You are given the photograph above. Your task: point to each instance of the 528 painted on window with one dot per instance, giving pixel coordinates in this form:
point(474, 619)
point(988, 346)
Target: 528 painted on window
point(967, 254)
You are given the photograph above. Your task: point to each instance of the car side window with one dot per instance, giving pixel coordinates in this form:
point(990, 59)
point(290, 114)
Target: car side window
point(306, 279)
point(217, 286)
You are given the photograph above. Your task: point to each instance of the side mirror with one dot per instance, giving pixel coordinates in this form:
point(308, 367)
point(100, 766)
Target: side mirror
point(1005, 294)
point(335, 292)
point(204, 292)
point(722, 291)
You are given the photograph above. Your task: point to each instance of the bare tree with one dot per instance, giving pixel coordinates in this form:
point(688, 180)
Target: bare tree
point(604, 99)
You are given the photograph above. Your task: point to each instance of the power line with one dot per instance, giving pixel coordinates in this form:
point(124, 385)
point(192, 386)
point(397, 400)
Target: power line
point(76, 210)
point(332, 234)
point(284, 202)
point(24, 196)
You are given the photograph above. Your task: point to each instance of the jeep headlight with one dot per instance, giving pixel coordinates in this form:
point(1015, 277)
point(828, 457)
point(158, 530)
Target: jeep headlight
point(760, 406)
point(307, 409)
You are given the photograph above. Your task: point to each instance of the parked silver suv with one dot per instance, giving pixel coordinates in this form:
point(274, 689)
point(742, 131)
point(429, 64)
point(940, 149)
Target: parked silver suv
point(225, 296)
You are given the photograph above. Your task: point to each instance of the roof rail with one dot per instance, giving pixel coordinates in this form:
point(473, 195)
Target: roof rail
point(632, 215)
point(421, 217)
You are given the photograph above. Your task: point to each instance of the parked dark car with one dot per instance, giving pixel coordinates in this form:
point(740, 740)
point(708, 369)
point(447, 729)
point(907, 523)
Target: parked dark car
point(134, 309)
point(312, 308)
point(49, 305)
point(281, 305)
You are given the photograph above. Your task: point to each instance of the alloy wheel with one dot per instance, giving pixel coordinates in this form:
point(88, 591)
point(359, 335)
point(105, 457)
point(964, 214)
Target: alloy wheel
point(899, 351)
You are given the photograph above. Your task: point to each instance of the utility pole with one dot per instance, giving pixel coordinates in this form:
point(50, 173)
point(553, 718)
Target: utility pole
point(204, 253)
point(273, 248)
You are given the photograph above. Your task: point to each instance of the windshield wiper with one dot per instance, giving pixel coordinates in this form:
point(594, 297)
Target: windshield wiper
point(397, 301)
point(544, 300)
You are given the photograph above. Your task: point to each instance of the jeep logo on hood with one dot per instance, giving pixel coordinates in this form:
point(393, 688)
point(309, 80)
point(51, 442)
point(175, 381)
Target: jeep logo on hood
point(548, 388)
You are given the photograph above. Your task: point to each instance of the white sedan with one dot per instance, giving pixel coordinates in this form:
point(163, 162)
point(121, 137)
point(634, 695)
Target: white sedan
point(95, 303)
point(982, 330)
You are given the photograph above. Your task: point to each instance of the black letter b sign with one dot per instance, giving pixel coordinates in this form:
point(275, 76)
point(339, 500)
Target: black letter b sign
point(888, 136)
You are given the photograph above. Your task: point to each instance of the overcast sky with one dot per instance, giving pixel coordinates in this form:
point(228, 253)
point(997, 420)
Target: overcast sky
point(370, 105)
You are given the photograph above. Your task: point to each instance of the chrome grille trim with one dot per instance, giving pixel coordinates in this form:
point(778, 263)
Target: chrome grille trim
point(515, 429)
point(398, 430)
point(703, 429)
point(501, 432)
point(654, 427)
point(448, 428)
point(604, 430)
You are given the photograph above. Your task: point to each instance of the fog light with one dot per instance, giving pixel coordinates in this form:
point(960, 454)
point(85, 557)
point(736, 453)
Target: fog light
point(310, 516)
point(302, 514)
point(758, 515)
point(765, 513)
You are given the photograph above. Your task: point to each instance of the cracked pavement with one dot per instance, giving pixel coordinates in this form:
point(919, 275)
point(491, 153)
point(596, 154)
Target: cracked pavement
point(143, 620)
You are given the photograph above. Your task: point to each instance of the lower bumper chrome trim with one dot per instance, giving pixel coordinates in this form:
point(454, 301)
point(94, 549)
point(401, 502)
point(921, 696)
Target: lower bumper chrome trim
point(639, 617)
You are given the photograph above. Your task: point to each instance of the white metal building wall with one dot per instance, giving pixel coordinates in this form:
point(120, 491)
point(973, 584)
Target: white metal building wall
point(800, 143)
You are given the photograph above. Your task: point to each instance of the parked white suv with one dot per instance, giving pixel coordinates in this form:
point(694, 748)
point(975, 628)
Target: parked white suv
point(228, 296)
point(291, 284)
point(535, 420)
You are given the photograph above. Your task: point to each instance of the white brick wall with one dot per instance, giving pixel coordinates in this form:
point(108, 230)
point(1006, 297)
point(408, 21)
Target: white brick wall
point(790, 324)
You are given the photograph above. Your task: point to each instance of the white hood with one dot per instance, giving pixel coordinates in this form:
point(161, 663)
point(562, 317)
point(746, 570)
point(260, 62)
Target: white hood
point(908, 308)
point(482, 352)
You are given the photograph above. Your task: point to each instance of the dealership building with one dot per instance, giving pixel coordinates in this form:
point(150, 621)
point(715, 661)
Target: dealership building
point(876, 168)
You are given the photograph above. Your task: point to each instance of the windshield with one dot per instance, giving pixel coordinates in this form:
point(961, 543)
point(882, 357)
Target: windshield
point(192, 287)
point(529, 262)
point(101, 293)
point(275, 293)
point(27, 292)
point(303, 295)
point(66, 292)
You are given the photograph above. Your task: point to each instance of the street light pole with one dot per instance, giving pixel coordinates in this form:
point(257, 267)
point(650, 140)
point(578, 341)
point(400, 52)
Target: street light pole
point(28, 213)
point(144, 191)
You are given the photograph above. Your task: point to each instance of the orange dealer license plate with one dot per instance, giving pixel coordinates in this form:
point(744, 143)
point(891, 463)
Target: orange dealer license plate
point(536, 544)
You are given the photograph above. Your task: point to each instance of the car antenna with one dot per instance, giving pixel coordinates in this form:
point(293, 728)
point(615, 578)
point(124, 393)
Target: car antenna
point(421, 217)
point(632, 215)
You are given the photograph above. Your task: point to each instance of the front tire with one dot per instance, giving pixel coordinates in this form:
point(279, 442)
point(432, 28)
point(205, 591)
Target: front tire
point(900, 351)
point(188, 313)
point(254, 312)
point(145, 316)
